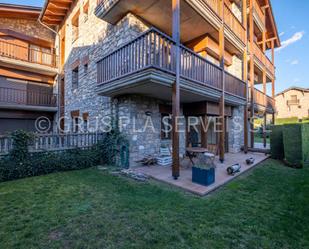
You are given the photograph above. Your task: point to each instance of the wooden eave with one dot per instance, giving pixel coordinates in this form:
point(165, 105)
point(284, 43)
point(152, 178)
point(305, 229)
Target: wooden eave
point(19, 11)
point(271, 25)
point(54, 11)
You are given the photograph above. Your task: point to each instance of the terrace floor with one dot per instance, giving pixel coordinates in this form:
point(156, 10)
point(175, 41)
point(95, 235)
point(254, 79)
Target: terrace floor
point(164, 174)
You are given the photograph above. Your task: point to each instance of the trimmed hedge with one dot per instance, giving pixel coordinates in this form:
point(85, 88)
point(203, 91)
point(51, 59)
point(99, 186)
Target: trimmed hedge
point(276, 142)
point(41, 163)
point(296, 144)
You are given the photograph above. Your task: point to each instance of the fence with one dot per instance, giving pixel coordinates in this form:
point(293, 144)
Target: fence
point(53, 142)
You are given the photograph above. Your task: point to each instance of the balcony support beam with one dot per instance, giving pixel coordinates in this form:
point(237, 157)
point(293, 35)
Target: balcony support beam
point(222, 99)
point(251, 38)
point(245, 75)
point(176, 89)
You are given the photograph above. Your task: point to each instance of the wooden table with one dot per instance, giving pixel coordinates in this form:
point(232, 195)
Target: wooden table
point(193, 151)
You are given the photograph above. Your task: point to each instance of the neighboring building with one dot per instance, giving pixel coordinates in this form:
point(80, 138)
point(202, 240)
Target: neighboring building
point(27, 68)
point(113, 63)
point(293, 102)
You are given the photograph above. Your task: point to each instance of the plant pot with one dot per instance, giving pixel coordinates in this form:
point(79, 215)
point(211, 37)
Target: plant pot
point(203, 177)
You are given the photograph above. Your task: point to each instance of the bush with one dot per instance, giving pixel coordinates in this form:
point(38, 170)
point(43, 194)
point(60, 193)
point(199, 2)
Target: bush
point(296, 144)
point(276, 142)
point(21, 163)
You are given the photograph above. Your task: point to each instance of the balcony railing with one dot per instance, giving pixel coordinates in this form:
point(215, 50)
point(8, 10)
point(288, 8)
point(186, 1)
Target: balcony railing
point(258, 11)
point(153, 49)
point(293, 102)
point(264, 60)
point(234, 24)
point(262, 99)
point(23, 53)
point(27, 97)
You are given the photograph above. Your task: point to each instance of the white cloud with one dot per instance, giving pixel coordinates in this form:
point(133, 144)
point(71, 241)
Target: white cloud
point(296, 37)
point(294, 62)
point(282, 33)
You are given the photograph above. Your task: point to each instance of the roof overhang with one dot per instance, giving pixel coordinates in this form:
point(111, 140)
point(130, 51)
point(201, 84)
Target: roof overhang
point(54, 11)
point(19, 11)
point(271, 24)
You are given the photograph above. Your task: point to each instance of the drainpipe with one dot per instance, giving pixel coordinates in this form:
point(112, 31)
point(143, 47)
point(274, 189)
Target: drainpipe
point(57, 55)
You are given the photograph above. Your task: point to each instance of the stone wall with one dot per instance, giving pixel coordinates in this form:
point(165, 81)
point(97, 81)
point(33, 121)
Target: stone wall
point(96, 39)
point(236, 68)
point(28, 27)
point(235, 126)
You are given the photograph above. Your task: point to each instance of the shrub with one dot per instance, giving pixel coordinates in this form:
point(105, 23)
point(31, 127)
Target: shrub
point(296, 144)
point(276, 142)
point(21, 163)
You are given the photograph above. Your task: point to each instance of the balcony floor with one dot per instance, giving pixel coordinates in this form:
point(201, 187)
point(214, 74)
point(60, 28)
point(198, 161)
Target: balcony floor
point(158, 84)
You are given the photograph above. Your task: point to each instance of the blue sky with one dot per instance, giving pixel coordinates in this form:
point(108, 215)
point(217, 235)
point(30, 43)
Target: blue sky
point(293, 26)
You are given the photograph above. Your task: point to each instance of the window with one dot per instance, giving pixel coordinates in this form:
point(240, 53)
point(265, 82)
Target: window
point(75, 78)
point(75, 27)
point(85, 121)
point(75, 124)
point(86, 68)
point(294, 97)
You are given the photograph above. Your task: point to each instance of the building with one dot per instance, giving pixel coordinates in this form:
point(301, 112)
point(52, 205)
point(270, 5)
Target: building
point(293, 102)
point(27, 68)
point(139, 59)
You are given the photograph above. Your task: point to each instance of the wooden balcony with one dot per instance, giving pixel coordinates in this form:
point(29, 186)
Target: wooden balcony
point(258, 15)
point(262, 101)
point(204, 15)
point(146, 66)
point(262, 60)
point(36, 55)
point(16, 97)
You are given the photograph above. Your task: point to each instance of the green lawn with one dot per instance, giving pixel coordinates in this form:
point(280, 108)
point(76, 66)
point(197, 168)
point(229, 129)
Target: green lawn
point(269, 208)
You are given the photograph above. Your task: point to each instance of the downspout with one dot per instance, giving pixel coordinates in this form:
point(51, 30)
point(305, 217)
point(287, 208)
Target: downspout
point(57, 56)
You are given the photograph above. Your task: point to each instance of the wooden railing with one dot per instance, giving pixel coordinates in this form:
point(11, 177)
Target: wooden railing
point(258, 53)
point(234, 24)
point(54, 142)
point(153, 49)
point(293, 102)
point(262, 100)
point(215, 6)
point(27, 97)
point(23, 53)
point(259, 11)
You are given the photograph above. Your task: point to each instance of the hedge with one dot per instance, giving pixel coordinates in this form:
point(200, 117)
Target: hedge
point(296, 144)
point(21, 163)
point(276, 142)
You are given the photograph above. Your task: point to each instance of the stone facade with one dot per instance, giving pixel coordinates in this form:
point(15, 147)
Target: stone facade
point(299, 109)
point(28, 27)
point(236, 68)
point(96, 39)
point(235, 126)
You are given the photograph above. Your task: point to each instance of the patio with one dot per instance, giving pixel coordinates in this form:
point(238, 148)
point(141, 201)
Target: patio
point(164, 174)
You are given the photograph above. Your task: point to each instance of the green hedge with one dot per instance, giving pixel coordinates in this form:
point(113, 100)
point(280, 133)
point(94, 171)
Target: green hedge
point(276, 142)
point(20, 163)
point(296, 144)
point(41, 163)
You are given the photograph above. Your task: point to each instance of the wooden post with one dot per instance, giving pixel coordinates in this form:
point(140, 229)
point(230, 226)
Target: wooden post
point(204, 126)
point(273, 62)
point(176, 88)
point(251, 37)
point(222, 100)
point(264, 130)
point(245, 75)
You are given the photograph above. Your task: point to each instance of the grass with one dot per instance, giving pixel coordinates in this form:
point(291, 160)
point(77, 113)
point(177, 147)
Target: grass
point(93, 209)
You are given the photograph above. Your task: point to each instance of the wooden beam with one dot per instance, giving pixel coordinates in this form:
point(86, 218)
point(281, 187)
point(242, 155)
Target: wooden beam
point(251, 38)
point(264, 129)
point(245, 75)
point(222, 99)
point(176, 88)
point(204, 127)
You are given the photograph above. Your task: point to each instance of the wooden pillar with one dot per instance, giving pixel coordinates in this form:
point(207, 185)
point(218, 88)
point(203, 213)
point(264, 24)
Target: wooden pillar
point(222, 99)
point(245, 75)
point(251, 37)
point(176, 88)
point(264, 130)
point(204, 126)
